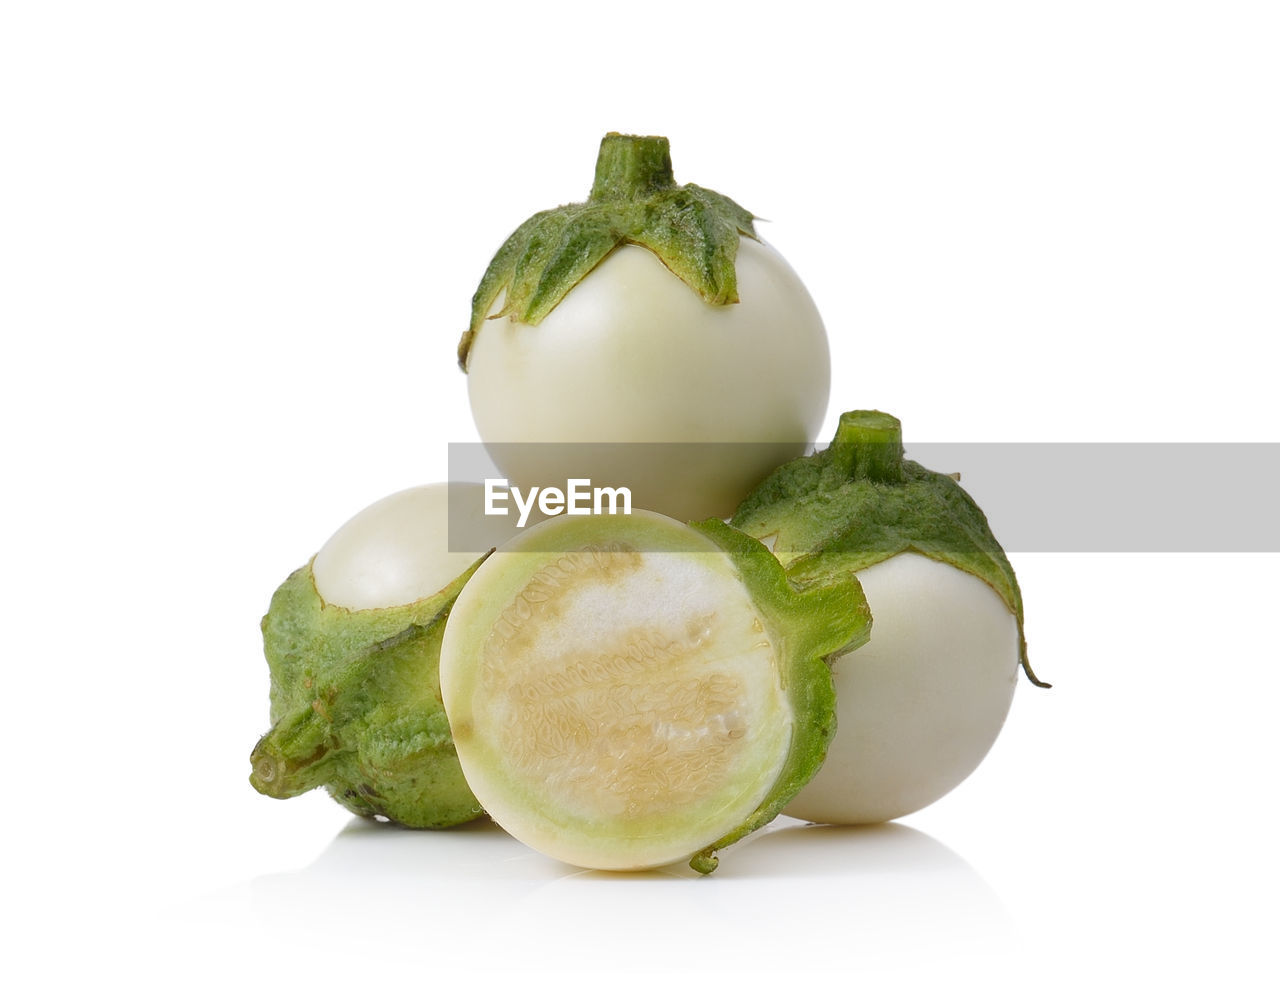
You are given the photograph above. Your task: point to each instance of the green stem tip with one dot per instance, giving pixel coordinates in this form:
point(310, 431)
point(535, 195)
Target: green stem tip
point(294, 756)
point(632, 167)
point(868, 446)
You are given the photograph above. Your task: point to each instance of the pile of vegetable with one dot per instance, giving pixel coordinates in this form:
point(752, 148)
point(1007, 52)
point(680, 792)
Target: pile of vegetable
point(623, 691)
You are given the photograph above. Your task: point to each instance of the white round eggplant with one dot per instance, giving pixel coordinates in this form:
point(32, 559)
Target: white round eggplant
point(645, 338)
point(717, 396)
point(920, 705)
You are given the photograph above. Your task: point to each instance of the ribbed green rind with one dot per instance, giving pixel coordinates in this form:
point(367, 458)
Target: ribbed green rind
point(829, 518)
point(693, 230)
point(808, 622)
point(355, 702)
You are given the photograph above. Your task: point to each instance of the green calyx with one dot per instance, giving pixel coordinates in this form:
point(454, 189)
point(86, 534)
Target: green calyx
point(355, 706)
point(859, 502)
point(812, 622)
point(635, 199)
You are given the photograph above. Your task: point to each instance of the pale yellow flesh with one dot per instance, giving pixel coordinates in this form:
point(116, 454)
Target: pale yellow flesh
point(622, 709)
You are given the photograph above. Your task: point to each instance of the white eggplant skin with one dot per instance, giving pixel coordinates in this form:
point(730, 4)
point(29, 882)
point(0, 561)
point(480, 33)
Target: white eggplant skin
point(921, 704)
point(397, 550)
point(720, 395)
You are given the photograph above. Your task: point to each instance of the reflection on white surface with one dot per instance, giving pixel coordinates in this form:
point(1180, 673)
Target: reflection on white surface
point(793, 896)
point(823, 894)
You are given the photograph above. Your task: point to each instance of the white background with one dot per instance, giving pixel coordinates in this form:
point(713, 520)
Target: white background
point(237, 246)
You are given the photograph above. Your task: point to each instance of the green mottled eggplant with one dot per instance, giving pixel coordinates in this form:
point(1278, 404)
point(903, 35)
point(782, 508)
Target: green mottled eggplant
point(355, 707)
